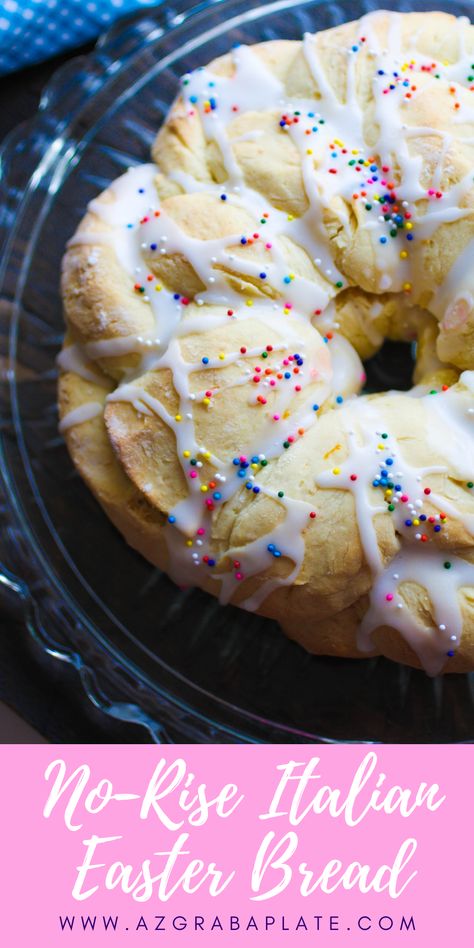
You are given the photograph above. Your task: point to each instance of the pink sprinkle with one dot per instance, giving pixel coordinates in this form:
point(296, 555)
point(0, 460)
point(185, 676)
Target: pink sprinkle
point(243, 458)
point(297, 388)
point(239, 575)
point(201, 532)
point(389, 597)
point(193, 473)
point(272, 382)
point(404, 498)
point(268, 246)
point(276, 418)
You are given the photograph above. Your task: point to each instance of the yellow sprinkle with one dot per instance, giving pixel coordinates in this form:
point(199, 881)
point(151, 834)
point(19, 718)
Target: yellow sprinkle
point(186, 454)
point(445, 62)
point(388, 493)
point(204, 489)
point(286, 310)
point(407, 287)
point(254, 467)
point(290, 217)
point(337, 141)
point(336, 470)
point(309, 151)
point(205, 454)
point(189, 542)
point(403, 254)
point(249, 302)
point(286, 414)
point(206, 401)
point(380, 447)
point(177, 418)
point(366, 164)
point(408, 226)
point(355, 151)
point(158, 287)
point(416, 522)
point(221, 355)
point(328, 453)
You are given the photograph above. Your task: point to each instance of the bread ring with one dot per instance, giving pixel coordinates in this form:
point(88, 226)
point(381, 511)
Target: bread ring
point(306, 201)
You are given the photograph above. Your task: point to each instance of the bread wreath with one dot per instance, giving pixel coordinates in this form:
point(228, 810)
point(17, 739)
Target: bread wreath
point(307, 200)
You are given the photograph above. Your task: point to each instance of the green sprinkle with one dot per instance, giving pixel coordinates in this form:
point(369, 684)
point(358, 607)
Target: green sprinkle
point(339, 284)
point(286, 444)
point(391, 506)
point(470, 484)
point(368, 207)
point(264, 463)
point(447, 565)
point(385, 435)
point(281, 493)
point(352, 162)
point(393, 233)
point(264, 355)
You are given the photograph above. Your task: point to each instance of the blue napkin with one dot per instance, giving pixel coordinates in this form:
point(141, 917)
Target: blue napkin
point(33, 30)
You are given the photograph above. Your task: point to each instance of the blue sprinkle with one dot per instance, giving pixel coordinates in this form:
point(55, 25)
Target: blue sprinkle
point(204, 360)
point(176, 297)
point(271, 547)
point(408, 523)
point(437, 528)
point(450, 653)
point(423, 517)
point(282, 123)
point(256, 490)
point(339, 399)
point(373, 167)
point(193, 99)
point(141, 190)
point(376, 482)
point(288, 375)
point(241, 473)
point(354, 49)
point(211, 562)
point(315, 407)
point(223, 197)
point(286, 280)
point(235, 461)
point(171, 519)
point(211, 85)
point(384, 473)
point(310, 114)
point(129, 225)
point(244, 464)
point(398, 487)
point(213, 103)
point(217, 495)
point(409, 236)
point(384, 481)
point(153, 246)
point(383, 240)
point(277, 553)
point(380, 72)
point(254, 460)
point(243, 240)
point(249, 485)
point(263, 276)
point(389, 461)
point(375, 177)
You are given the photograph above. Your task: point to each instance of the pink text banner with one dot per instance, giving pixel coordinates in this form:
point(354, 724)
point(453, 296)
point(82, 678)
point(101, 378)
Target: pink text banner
point(236, 845)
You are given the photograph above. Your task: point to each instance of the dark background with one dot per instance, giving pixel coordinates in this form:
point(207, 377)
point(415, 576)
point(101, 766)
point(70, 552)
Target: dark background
point(50, 698)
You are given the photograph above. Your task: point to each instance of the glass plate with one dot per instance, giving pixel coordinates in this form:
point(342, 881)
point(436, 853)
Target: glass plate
point(176, 662)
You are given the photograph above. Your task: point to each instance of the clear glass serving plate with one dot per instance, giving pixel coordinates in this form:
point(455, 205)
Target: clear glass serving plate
point(176, 662)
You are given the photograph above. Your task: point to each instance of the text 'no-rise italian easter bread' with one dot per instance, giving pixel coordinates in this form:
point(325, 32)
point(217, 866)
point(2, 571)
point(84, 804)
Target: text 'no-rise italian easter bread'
point(307, 200)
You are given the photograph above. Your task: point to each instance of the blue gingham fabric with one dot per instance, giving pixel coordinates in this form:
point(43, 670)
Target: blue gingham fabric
point(34, 30)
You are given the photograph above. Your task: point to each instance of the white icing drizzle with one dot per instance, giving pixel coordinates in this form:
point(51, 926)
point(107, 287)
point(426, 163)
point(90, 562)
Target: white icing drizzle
point(345, 178)
point(78, 415)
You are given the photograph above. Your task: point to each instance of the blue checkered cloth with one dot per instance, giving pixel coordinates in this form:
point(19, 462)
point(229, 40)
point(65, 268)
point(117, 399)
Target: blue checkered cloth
point(34, 30)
